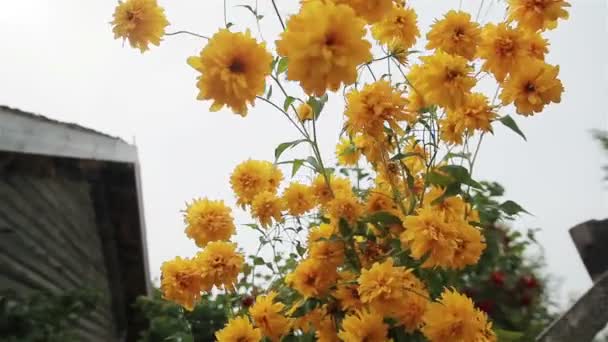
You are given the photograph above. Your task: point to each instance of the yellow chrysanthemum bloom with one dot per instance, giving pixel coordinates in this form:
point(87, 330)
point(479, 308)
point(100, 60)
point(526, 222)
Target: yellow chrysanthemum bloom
point(427, 233)
point(344, 206)
point(208, 221)
point(327, 330)
point(445, 79)
point(380, 199)
point(451, 130)
point(310, 321)
point(298, 198)
point(452, 208)
point(267, 315)
point(220, 265)
point(181, 282)
point(417, 159)
point(382, 285)
point(323, 193)
point(372, 148)
point(370, 10)
point(233, 69)
point(347, 153)
point(455, 34)
point(364, 325)
point(532, 87)
point(470, 244)
point(410, 308)
point(266, 207)
point(504, 49)
point(324, 251)
point(312, 278)
point(304, 112)
point(251, 177)
point(537, 46)
point(476, 113)
point(376, 104)
point(399, 26)
point(238, 329)
point(454, 318)
point(324, 43)
point(347, 292)
point(537, 15)
point(142, 22)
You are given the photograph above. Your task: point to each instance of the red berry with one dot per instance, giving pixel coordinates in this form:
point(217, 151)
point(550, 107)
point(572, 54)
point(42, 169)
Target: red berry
point(247, 301)
point(529, 282)
point(498, 278)
point(525, 300)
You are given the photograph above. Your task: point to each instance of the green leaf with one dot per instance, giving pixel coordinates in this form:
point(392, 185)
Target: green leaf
point(313, 162)
point(384, 218)
point(439, 179)
point(344, 228)
point(282, 65)
point(511, 208)
point(301, 250)
point(297, 163)
point(269, 93)
point(400, 156)
point(317, 104)
point(228, 25)
point(258, 261)
point(288, 101)
point(509, 122)
point(508, 335)
point(309, 305)
point(282, 147)
point(249, 8)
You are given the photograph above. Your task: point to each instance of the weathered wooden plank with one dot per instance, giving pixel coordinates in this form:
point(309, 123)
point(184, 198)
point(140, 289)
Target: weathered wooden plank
point(587, 317)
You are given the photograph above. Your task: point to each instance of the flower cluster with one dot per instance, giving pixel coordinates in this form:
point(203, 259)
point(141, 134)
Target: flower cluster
point(372, 244)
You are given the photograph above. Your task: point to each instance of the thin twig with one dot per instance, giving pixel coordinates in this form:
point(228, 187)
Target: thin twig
point(278, 14)
point(186, 32)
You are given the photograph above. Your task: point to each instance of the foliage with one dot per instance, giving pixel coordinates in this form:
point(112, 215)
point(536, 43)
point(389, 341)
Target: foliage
point(169, 322)
point(43, 316)
point(376, 247)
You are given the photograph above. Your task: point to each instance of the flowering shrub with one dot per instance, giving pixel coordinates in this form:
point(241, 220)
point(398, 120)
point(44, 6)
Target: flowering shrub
point(374, 246)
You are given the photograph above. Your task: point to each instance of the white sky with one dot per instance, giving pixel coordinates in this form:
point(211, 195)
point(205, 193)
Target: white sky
point(59, 59)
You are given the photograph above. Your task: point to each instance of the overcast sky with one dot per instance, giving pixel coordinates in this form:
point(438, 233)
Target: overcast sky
point(59, 59)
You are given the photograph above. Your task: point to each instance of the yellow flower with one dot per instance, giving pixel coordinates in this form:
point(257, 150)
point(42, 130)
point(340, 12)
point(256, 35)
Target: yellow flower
point(380, 199)
point(452, 208)
point(344, 206)
point(347, 153)
point(532, 87)
point(304, 112)
point(181, 282)
point(373, 148)
point(238, 329)
point(298, 198)
point(410, 308)
point(363, 326)
point(325, 252)
point(469, 246)
point(416, 161)
point(475, 113)
point(220, 265)
point(376, 104)
point(233, 69)
point(312, 278)
point(208, 221)
point(537, 15)
point(267, 315)
point(455, 34)
point(251, 177)
point(327, 330)
point(324, 43)
point(266, 206)
point(537, 46)
point(444, 80)
point(311, 320)
point(451, 129)
point(323, 193)
point(142, 22)
point(347, 292)
point(503, 48)
point(370, 10)
point(454, 318)
point(427, 233)
point(399, 26)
